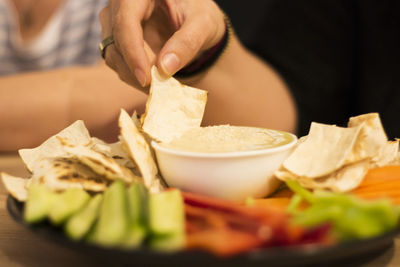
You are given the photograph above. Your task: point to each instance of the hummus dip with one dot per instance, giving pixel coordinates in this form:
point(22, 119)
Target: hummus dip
point(227, 138)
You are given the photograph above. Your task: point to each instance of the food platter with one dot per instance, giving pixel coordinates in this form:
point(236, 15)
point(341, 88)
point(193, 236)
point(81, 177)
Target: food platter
point(356, 251)
point(132, 207)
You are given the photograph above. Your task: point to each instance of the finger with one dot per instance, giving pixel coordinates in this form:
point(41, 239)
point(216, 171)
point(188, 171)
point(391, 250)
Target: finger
point(128, 36)
point(113, 58)
point(184, 45)
point(115, 61)
point(105, 22)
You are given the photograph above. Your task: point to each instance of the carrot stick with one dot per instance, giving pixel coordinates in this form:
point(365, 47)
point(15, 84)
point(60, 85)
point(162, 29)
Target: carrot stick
point(279, 203)
point(382, 174)
point(382, 182)
point(379, 187)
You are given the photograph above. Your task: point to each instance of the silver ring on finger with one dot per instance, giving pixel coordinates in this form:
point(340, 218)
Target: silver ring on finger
point(103, 45)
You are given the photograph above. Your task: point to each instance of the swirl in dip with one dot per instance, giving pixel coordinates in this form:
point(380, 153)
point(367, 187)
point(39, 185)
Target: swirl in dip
point(227, 138)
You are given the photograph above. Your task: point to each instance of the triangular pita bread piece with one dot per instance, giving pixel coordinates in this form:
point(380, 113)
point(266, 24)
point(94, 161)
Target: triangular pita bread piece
point(15, 186)
point(139, 150)
point(172, 108)
point(62, 173)
point(113, 150)
point(75, 134)
point(387, 155)
point(323, 151)
point(372, 137)
point(342, 180)
point(99, 163)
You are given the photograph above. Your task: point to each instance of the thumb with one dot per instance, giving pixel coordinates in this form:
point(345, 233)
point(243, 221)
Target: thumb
point(183, 46)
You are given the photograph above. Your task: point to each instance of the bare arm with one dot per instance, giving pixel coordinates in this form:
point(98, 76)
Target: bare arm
point(243, 90)
point(34, 106)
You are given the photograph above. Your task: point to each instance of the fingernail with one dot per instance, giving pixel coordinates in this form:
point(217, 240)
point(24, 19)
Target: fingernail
point(140, 76)
point(170, 63)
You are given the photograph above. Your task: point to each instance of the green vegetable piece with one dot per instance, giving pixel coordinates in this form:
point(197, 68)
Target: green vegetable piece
point(167, 242)
point(135, 236)
point(137, 212)
point(138, 199)
point(113, 223)
point(167, 220)
point(166, 212)
point(295, 201)
point(67, 203)
point(38, 203)
point(298, 189)
point(351, 217)
point(80, 223)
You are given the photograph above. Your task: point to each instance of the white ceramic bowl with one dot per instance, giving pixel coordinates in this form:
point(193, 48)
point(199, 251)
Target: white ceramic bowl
point(229, 175)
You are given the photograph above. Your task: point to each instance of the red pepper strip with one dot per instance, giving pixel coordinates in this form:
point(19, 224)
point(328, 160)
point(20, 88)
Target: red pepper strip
point(213, 223)
point(226, 228)
point(207, 202)
point(223, 242)
point(212, 230)
point(216, 219)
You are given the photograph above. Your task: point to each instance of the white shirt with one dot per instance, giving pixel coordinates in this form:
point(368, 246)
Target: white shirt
point(70, 37)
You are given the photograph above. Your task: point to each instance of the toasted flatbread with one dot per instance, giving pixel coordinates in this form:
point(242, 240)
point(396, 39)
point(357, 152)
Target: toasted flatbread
point(113, 150)
point(387, 155)
point(371, 139)
point(325, 150)
point(343, 180)
point(75, 134)
point(99, 162)
point(59, 174)
point(15, 186)
point(139, 150)
point(172, 108)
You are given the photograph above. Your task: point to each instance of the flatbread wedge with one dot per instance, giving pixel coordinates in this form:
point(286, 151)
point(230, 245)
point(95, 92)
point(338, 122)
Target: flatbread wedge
point(139, 151)
point(371, 139)
point(172, 108)
point(325, 150)
point(16, 186)
point(75, 134)
point(99, 162)
point(60, 174)
point(344, 179)
point(387, 155)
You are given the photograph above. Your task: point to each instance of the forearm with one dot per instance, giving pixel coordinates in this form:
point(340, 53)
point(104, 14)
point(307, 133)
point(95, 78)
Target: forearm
point(37, 105)
point(243, 90)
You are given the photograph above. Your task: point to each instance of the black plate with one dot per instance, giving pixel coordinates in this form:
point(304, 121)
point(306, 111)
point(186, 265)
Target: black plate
point(344, 254)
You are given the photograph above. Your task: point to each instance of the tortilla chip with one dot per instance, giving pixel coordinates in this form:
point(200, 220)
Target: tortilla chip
point(115, 151)
point(324, 151)
point(285, 175)
point(387, 155)
point(75, 134)
point(15, 186)
point(157, 185)
point(172, 108)
point(139, 150)
point(343, 180)
point(372, 137)
point(59, 174)
point(99, 162)
point(136, 120)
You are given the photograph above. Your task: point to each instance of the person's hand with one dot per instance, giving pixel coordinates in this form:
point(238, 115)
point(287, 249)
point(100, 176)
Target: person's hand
point(168, 33)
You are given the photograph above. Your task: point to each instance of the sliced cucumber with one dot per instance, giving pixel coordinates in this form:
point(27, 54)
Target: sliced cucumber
point(67, 203)
point(80, 223)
